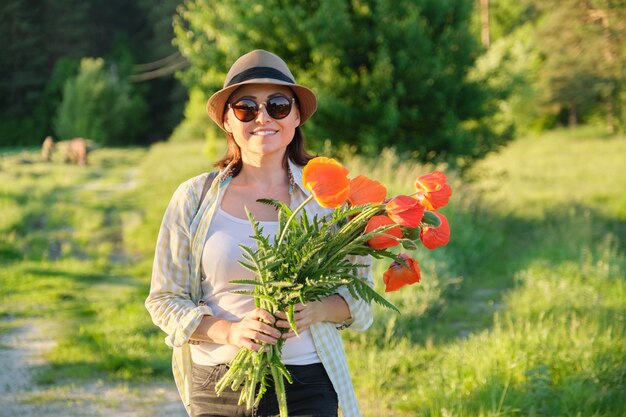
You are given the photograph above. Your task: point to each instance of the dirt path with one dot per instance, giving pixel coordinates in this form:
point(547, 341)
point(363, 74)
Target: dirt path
point(22, 351)
point(24, 346)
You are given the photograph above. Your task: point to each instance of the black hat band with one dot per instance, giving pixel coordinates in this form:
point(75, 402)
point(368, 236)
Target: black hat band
point(259, 72)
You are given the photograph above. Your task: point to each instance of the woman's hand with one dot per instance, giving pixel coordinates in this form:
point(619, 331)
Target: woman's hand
point(332, 308)
point(304, 315)
point(253, 330)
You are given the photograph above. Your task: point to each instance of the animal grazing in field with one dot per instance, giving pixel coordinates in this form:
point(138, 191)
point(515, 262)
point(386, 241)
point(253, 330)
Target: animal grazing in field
point(74, 151)
point(47, 148)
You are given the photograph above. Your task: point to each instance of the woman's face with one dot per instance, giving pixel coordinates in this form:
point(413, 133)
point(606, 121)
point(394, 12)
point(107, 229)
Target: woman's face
point(263, 135)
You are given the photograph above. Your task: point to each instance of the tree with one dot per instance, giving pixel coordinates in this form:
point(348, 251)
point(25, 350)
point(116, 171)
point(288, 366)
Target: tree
point(386, 72)
point(583, 46)
point(44, 40)
point(97, 104)
point(33, 35)
point(509, 68)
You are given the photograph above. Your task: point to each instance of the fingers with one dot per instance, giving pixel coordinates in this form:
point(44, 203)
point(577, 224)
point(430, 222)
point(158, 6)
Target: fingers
point(260, 314)
point(282, 323)
point(297, 308)
point(257, 324)
point(303, 316)
point(259, 337)
point(254, 330)
point(257, 327)
point(290, 334)
point(301, 325)
point(249, 344)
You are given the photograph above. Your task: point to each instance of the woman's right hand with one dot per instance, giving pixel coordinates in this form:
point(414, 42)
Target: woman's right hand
point(253, 330)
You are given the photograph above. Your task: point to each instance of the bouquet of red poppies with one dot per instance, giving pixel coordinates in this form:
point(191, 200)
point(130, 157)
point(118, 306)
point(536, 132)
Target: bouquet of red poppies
point(311, 257)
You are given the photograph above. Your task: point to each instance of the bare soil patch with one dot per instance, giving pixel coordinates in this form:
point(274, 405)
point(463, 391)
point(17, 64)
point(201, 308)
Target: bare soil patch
point(22, 351)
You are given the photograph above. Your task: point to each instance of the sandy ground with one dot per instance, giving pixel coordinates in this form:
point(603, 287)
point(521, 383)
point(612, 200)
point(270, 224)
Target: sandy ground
point(22, 351)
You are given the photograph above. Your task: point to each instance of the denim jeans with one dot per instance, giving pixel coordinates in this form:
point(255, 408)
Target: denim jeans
point(311, 394)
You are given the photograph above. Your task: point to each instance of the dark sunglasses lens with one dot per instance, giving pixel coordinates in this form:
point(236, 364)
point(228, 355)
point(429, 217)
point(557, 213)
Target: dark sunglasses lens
point(278, 107)
point(245, 110)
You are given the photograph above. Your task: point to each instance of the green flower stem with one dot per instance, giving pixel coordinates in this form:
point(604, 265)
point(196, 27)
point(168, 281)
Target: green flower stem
point(293, 215)
point(279, 387)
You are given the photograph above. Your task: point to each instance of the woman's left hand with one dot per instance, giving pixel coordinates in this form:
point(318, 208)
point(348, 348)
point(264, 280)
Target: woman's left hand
point(304, 315)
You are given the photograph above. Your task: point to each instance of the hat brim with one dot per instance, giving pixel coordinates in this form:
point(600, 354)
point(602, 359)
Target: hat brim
point(307, 102)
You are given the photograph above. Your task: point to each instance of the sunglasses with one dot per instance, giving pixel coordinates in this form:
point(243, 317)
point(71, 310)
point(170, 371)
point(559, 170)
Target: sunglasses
point(277, 107)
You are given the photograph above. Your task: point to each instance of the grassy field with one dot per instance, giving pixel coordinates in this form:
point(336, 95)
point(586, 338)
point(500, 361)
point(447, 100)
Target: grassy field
point(522, 314)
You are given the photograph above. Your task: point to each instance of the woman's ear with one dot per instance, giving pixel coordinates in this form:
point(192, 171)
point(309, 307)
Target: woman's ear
point(297, 117)
point(227, 126)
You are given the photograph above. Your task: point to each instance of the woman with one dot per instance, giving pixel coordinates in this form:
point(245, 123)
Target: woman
point(260, 108)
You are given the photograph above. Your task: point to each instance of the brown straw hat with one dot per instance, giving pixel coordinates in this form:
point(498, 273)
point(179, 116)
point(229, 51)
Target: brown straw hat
point(260, 67)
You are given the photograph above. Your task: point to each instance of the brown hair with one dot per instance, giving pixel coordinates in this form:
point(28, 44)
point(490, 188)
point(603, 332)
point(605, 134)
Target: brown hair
point(295, 152)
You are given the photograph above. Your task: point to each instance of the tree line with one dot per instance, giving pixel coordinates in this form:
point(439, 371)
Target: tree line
point(43, 44)
point(564, 60)
point(432, 79)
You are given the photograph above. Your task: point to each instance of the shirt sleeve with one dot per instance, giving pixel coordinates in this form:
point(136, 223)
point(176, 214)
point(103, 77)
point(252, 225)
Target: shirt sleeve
point(360, 310)
point(169, 303)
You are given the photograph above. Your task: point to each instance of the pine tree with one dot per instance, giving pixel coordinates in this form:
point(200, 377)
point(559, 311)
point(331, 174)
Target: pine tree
point(386, 72)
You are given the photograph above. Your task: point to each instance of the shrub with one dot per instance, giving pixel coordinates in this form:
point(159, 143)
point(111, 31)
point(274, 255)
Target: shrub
point(100, 105)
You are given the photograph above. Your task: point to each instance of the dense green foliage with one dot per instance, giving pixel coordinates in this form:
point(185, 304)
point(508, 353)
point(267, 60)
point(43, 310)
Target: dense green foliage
point(406, 74)
point(563, 61)
point(99, 105)
point(521, 314)
point(387, 73)
point(588, 78)
point(43, 42)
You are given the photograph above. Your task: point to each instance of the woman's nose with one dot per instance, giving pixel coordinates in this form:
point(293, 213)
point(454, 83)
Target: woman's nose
point(263, 116)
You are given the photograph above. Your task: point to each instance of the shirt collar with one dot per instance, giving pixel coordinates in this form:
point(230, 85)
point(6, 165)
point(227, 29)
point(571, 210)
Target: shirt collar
point(295, 177)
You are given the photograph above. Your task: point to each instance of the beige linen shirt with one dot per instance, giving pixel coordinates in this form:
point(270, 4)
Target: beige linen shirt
point(175, 291)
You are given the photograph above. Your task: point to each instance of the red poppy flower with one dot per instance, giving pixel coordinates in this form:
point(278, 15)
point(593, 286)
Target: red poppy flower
point(364, 190)
point(432, 190)
point(405, 211)
point(398, 275)
point(386, 239)
point(433, 237)
point(327, 180)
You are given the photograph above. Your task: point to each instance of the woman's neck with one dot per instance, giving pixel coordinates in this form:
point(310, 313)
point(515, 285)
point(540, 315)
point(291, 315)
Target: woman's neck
point(268, 171)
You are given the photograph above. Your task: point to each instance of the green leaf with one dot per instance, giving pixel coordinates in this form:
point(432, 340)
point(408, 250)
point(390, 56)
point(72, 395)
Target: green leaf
point(248, 266)
point(291, 320)
point(245, 282)
point(244, 292)
point(277, 204)
point(280, 284)
point(269, 300)
point(368, 293)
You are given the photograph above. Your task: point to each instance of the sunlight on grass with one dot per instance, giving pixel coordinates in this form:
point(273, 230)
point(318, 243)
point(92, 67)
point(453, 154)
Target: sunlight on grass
point(557, 349)
point(557, 169)
point(536, 326)
point(523, 313)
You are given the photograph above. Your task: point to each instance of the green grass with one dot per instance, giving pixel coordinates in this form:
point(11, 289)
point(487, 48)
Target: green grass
point(522, 314)
point(535, 325)
point(65, 260)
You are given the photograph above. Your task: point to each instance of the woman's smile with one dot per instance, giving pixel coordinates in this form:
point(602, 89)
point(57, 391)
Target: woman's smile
point(264, 132)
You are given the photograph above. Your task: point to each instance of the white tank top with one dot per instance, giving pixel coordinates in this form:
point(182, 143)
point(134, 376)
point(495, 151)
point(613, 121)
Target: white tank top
point(220, 263)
